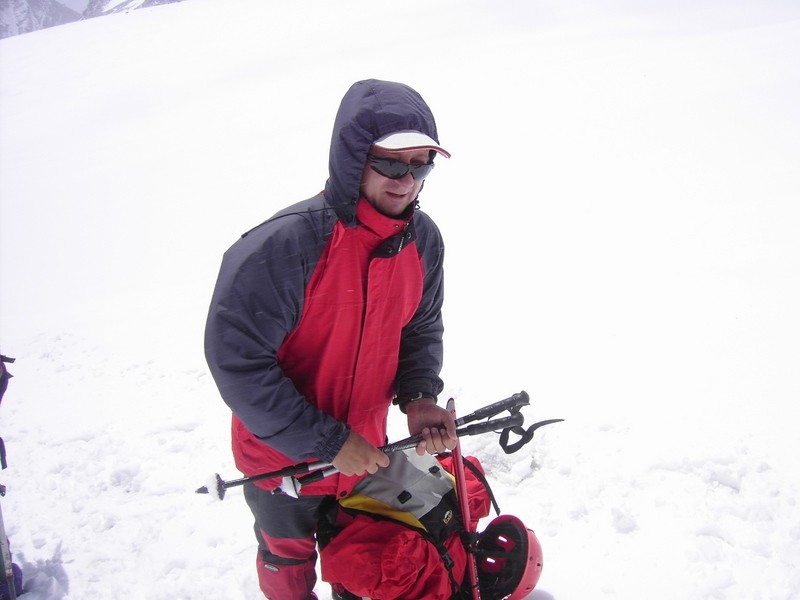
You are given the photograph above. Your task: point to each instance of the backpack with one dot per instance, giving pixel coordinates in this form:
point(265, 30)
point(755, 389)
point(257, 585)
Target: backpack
point(400, 533)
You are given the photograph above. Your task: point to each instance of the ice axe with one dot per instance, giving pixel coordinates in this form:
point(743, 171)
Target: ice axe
point(316, 471)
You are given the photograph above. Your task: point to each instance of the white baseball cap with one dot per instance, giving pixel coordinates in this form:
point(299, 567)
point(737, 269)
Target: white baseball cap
point(410, 140)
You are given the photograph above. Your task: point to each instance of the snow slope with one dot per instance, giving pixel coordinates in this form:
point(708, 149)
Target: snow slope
point(621, 214)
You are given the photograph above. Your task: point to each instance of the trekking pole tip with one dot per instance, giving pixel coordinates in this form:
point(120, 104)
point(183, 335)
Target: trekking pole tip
point(214, 483)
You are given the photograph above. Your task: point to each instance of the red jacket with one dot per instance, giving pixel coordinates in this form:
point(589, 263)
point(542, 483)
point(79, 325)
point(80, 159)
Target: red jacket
point(326, 311)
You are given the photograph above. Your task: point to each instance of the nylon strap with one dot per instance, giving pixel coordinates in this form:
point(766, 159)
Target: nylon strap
point(525, 435)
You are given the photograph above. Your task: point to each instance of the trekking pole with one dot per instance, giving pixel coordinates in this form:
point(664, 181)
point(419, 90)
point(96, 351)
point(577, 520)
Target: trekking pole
point(463, 503)
point(319, 470)
point(295, 483)
point(220, 486)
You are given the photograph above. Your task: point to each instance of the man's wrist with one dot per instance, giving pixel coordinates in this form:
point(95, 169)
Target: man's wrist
point(405, 400)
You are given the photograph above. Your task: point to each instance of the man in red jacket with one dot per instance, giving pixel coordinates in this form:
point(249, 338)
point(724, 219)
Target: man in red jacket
point(325, 315)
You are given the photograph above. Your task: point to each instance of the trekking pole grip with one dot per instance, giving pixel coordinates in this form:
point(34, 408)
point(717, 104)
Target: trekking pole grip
point(513, 402)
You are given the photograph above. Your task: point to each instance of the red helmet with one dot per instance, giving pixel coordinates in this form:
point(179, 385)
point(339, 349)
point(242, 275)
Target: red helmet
point(509, 559)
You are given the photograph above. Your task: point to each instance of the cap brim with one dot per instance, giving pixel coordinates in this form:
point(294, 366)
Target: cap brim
point(410, 140)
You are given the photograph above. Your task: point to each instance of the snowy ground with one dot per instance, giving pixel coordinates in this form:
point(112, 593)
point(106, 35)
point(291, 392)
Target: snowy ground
point(621, 213)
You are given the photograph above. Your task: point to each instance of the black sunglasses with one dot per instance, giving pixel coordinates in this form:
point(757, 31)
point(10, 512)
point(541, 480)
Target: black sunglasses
point(395, 169)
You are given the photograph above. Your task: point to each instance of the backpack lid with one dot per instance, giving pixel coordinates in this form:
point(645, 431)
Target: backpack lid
point(415, 490)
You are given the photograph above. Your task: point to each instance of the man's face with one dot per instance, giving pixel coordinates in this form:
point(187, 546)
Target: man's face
point(392, 196)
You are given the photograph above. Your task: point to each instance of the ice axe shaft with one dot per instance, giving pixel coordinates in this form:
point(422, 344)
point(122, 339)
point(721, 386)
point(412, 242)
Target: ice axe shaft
point(463, 504)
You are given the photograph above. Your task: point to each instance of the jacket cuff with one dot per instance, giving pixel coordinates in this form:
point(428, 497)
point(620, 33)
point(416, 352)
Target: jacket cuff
point(329, 447)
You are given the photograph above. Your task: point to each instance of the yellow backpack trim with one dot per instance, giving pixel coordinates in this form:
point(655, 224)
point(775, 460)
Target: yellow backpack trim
point(364, 503)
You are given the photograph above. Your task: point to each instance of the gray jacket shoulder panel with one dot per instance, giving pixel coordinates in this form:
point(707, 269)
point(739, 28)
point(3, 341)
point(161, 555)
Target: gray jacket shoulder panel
point(257, 302)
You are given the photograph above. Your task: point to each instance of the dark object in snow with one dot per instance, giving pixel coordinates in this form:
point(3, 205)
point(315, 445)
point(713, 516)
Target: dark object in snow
point(10, 583)
point(4, 374)
point(10, 574)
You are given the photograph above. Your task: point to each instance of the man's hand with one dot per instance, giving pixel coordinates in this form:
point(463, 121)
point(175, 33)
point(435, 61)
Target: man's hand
point(358, 455)
point(436, 424)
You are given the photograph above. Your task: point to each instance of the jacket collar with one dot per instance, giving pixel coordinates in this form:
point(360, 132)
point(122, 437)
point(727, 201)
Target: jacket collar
point(381, 225)
point(395, 234)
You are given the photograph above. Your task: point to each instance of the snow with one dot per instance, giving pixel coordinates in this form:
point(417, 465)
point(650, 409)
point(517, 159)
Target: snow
point(621, 215)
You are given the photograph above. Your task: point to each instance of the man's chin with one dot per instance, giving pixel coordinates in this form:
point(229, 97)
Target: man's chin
point(394, 207)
